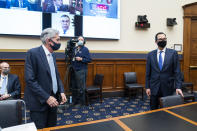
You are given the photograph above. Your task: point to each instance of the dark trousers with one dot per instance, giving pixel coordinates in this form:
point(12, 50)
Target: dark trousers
point(44, 119)
point(154, 100)
point(78, 81)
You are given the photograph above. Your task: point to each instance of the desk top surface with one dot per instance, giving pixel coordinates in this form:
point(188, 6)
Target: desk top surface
point(161, 120)
point(101, 126)
point(177, 118)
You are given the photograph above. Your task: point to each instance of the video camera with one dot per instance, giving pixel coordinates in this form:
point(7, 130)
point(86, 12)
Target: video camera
point(69, 50)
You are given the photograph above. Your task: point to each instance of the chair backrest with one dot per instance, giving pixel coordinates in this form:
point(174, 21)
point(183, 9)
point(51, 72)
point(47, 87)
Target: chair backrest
point(98, 80)
point(173, 100)
point(130, 77)
point(10, 113)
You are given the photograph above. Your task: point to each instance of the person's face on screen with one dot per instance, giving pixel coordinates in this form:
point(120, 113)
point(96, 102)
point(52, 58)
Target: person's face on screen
point(65, 21)
point(58, 3)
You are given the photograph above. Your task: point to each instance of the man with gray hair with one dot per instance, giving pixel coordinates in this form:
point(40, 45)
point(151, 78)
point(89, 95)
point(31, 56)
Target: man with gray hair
point(44, 90)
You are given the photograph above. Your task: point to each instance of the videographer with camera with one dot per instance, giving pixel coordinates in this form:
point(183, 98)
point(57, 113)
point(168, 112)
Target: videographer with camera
point(78, 79)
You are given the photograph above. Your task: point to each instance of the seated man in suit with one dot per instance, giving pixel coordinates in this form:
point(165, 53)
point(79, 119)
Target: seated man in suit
point(9, 83)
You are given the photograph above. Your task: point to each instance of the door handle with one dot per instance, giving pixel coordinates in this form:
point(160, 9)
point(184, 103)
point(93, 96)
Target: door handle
point(193, 67)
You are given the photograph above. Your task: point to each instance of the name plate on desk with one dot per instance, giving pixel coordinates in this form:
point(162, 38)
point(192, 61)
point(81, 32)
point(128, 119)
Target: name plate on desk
point(23, 127)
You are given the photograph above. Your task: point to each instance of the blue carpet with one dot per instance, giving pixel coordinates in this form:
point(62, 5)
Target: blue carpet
point(111, 107)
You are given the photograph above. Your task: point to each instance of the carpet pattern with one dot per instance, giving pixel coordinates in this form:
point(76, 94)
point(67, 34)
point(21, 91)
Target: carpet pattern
point(111, 107)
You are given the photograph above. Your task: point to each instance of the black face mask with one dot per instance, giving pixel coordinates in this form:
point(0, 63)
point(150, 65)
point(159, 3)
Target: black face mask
point(55, 46)
point(162, 43)
point(6, 71)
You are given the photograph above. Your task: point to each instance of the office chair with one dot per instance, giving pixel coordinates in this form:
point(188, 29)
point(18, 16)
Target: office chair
point(95, 90)
point(130, 84)
point(11, 113)
point(172, 100)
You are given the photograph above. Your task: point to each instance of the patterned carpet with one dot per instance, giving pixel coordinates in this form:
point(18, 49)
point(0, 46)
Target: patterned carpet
point(111, 107)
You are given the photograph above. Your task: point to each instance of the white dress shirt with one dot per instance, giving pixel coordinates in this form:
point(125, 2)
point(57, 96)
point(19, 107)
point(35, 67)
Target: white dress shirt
point(1, 82)
point(162, 55)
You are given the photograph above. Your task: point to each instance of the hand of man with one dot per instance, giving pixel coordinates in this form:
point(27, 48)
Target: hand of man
point(52, 102)
point(6, 96)
point(179, 91)
point(64, 99)
point(148, 92)
point(78, 58)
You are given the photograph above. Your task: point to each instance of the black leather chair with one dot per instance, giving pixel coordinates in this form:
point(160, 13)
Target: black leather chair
point(187, 88)
point(173, 100)
point(10, 113)
point(95, 90)
point(131, 85)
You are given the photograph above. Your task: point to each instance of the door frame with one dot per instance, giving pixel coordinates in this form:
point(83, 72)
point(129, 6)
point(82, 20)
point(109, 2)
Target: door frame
point(190, 12)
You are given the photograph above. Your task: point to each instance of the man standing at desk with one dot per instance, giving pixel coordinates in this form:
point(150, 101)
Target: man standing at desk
point(44, 90)
point(163, 73)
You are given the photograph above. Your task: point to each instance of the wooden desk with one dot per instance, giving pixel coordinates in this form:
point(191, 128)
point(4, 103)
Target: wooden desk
point(177, 118)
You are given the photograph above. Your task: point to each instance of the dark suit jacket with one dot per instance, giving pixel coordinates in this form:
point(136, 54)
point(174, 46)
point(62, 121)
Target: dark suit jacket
point(13, 86)
point(168, 78)
point(38, 80)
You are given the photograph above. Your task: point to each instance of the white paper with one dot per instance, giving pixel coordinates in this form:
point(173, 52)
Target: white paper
point(23, 127)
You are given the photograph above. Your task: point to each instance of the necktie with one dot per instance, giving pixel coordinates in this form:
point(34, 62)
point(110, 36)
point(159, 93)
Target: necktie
point(53, 74)
point(160, 60)
point(3, 88)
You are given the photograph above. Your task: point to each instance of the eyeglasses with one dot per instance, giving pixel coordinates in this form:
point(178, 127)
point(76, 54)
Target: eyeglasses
point(161, 39)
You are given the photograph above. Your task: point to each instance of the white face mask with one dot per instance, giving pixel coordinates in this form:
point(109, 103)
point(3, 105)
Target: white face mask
point(80, 43)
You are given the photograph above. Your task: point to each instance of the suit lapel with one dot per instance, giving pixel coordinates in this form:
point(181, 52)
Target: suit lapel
point(155, 60)
point(167, 56)
point(8, 83)
point(44, 59)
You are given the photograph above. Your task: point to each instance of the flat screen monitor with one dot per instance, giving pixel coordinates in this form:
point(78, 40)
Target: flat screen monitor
point(101, 19)
point(20, 17)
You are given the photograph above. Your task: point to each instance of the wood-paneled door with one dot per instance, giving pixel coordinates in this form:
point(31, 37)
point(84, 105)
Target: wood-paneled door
point(190, 43)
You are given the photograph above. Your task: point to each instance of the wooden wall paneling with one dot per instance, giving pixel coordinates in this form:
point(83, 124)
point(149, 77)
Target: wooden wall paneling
point(120, 69)
point(90, 77)
point(111, 69)
point(108, 71)
point(190, 9)
point(140, 69)
point(114, 86)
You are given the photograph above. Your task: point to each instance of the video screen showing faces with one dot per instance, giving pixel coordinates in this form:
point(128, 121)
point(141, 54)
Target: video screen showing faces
point(98, 18)
point(74, 7)
point(64, 23)
point(20, 17)
point(29, 5)
point(101, 19)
